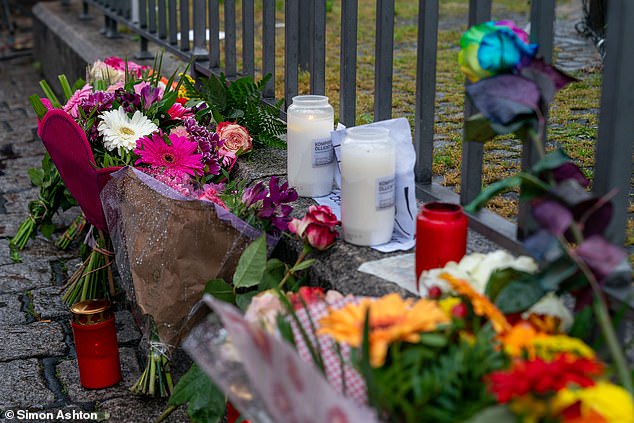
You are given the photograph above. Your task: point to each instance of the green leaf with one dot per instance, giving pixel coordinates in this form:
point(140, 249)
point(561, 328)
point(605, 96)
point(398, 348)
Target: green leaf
point(497, 414)
point(243, 300)
point(532, 186)
point(491, 191)
point(303, 265)
point(47, 229)
point(500, 278)
point(583, 323)
point(50, 94)
point(433, 339)
point(556, 272)
point(478, 128)
point(221, 290)
point(206, 401)
point(519, 296)
point(551, 161)
point(39, 107)
point(65, 86)
point(36, 175)
point(275, 270)
point(251, 265)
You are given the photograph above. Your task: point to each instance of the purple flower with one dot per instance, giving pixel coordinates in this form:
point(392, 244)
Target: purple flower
point(98, 102)
point(149, 96)
point(208, 145)
point(129, 101)
point(274, 207)
point(253, 194)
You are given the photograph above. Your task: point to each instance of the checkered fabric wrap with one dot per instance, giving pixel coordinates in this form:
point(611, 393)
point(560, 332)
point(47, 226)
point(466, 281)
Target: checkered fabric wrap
point(355, 388)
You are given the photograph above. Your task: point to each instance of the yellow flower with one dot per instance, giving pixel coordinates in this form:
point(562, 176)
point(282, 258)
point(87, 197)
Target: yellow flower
point(524, 340)
point(481, 304)
point(391, 319)
point(611, 402)
point(447, 304)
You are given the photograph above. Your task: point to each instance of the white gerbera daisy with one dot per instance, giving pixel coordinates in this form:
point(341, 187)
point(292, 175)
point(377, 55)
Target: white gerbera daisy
point(118, 130)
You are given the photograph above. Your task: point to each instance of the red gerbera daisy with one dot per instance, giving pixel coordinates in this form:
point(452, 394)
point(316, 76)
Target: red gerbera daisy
point(175, 154)
point(541, 377)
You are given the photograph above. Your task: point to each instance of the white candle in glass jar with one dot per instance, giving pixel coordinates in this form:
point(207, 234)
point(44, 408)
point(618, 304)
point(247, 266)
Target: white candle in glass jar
point(368, 162)
point(311, 159)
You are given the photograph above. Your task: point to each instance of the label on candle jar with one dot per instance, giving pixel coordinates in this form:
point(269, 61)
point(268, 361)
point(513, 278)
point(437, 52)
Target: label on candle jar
point(385, 192)
point(323, 153)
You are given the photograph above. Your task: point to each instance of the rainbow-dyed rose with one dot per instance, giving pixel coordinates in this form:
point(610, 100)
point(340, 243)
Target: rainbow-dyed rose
point(492, 48)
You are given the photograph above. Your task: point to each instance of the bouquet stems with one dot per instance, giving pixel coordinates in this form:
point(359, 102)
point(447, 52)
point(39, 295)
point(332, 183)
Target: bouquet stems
point(156, 379)
point(93, 278)
point(71, 232)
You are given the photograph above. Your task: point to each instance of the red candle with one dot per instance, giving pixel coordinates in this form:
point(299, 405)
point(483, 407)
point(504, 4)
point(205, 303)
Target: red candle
point(96, 344)
point(441, 236)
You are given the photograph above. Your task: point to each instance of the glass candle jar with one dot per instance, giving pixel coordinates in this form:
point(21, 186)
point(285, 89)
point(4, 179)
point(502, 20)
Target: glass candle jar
point(311, 159)
point(441, 236)
point(368, 162)
point(96, 344)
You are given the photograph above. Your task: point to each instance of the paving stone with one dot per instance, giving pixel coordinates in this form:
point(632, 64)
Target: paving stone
point(130, 372)
point(127, 330)
point(138, 409)
point(17, 201)
point(21, 277)
point(10, 312)
point(14, 182)
point(22, 385)
point(48, 305)
point(38, 339)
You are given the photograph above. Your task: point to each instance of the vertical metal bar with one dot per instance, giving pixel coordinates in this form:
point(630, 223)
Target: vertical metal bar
point(162, 19)
point(248, 40)
point(85, 14)
point(291, 33)
point(184, 28)
point(127, 9)
point(151, 16)
point(542, 33)
point(318, 65)
point(472, 152)
point(200, 39)
point(143, 13)
point(134, 11)
point(306, 21)
point(111, 28)
point(230, 38)
point(143, 53)
point(383, 65)
point(348, 65)
point(172, 24)
point(425, 89)
point(613, 169)
point(268, 46)
point(214, 31)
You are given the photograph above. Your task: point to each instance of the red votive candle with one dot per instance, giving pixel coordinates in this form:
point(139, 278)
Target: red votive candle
point(441, 236)
point(96, 344)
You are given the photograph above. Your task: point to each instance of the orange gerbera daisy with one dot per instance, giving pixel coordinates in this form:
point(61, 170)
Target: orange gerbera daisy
point(392, 318)
point(481, 304)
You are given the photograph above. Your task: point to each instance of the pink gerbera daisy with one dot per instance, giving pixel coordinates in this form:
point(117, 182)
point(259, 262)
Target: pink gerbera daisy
point(173, 153)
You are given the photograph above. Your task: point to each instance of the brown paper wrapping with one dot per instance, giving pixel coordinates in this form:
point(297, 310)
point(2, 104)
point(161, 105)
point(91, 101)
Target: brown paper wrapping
point(173, 247)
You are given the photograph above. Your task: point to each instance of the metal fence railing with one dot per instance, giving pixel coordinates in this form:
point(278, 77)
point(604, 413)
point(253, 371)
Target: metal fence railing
point(168, 23)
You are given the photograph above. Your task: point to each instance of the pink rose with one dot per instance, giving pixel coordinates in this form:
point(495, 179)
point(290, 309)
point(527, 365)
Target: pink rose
point(120, 64)
point(236, 138)
point(317, 228)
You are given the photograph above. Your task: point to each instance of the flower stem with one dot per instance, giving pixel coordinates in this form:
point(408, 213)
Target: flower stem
point(305, 251)
point(605, 322)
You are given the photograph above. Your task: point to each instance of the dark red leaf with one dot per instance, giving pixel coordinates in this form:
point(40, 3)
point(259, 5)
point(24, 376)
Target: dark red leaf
point(600, 256)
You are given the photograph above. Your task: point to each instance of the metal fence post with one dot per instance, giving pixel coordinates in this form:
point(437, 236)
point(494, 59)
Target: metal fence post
point(472, 152)
point(613, 169)
point(425, 89)
point(200, 39)
point(384, 55)
point(318, 62)
point(348, 63)
point(268, 46)
point(291, 37)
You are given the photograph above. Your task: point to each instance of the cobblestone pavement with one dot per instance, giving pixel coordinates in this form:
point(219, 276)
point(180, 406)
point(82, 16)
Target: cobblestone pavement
point(37, 357)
